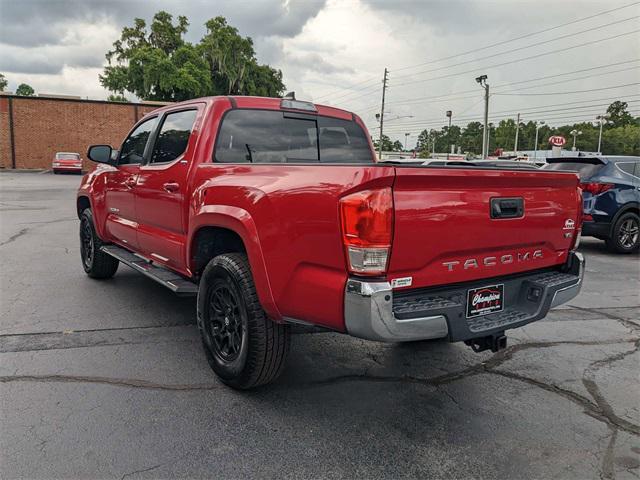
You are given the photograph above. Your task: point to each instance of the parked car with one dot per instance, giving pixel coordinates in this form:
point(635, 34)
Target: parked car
point(611, 191)
point(275, 212)
point(67, 162)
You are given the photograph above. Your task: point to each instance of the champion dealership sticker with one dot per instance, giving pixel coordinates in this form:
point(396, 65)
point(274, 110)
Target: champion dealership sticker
point(485, 300)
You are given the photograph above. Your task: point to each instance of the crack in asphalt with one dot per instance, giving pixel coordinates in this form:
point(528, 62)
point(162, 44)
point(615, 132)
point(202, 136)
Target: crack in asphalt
point(25, 230)
point(627, 323)
point(14, 237)
point(142, 471)
point(600, 410)
point(115, 382)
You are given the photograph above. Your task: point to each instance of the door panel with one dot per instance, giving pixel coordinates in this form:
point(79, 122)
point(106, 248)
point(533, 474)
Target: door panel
point(121, 223)
point(161, 191)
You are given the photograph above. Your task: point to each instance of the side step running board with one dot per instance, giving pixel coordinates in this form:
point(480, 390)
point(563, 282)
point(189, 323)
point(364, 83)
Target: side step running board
point(163, 276)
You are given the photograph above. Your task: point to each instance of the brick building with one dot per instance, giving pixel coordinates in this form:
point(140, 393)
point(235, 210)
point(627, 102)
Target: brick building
point(33, 129)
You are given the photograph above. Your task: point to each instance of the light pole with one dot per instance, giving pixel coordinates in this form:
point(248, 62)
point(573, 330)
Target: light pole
point(515, 144)
point(602, 119)
point(406, 136)
point(575, 133)
point(482, 80)
point(535, 147)
point(449, 115)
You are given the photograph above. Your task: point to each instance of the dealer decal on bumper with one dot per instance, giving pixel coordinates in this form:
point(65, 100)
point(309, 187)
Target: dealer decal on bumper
point(485, 300)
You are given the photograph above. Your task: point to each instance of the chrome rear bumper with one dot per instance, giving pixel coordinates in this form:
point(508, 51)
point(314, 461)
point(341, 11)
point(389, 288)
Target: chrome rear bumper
point(371, 313)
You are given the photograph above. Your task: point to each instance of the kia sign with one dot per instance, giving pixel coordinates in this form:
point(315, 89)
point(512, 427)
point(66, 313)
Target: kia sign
point(557, 141)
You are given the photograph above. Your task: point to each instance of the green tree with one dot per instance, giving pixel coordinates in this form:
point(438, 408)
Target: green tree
point(25, 90)
point(3, 82)
point(117, 98)
point(505, 134)
point(471, 138)
point(618, 114)
point(387, 144)
point(156, 63)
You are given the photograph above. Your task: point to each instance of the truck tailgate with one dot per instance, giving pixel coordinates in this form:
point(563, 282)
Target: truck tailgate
point(444, 232)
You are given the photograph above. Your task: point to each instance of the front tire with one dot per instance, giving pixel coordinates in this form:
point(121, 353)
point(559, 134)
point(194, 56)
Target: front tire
point(95, 262)
point(243, 347)
point(625, 236)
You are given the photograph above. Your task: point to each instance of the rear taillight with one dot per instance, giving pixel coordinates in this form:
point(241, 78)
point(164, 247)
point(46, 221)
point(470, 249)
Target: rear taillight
point(595, 188)
point(367, 230)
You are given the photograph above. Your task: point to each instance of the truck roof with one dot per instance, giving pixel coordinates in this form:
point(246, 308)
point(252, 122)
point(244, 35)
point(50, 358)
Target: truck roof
point(266, 103)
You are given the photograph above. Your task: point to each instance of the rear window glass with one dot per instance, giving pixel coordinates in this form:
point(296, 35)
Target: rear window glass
point(628, 167)
point(67, 156)
point(264, 136)
point(584, 170)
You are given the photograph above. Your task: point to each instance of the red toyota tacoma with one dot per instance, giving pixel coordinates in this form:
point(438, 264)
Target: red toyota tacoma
point(276, 212)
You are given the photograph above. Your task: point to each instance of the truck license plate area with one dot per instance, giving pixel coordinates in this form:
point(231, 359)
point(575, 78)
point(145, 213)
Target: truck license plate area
point(485, 300)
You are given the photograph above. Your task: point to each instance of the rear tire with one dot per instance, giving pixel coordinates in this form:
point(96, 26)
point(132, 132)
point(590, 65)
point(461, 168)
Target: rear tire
point(95, 262)
point(243, 347)
point(625, 237)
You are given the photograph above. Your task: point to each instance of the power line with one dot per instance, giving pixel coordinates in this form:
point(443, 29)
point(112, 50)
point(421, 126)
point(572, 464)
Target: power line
point(541, 114)
point(573, 72)
point(517, 38)
point(503, 42)
point(517, 60)
point(349, 87)
point(526, 111)
point(575, 79)
point(570, 93)
point(589, 30)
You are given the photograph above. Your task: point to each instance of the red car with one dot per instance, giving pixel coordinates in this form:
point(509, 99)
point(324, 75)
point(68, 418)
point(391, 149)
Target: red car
point(275, 212)
point(67, 162)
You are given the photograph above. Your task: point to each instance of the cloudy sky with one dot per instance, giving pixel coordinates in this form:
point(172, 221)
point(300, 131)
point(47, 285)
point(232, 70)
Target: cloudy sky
point(560, 61)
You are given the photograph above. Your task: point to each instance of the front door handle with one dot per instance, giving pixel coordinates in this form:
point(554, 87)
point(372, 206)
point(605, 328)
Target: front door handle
point(131, 182)
point(171, 186)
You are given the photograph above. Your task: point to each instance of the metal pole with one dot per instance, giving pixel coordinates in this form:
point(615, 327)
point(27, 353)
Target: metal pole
point(433, 146)
point(384, 89)
point(600, 136)
point(485, 136)
point(406, 136)
point(535, 147)
point(515, 148)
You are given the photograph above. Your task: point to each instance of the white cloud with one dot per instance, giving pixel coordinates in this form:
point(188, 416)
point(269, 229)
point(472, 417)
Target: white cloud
point(336, 52)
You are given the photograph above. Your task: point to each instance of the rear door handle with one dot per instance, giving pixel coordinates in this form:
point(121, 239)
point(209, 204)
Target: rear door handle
point(171, 186)
point(131, 182)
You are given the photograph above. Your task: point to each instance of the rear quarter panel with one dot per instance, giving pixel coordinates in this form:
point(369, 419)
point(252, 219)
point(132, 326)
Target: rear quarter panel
point(291, 228)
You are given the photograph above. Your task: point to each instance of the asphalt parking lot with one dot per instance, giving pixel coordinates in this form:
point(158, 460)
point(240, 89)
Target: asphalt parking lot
point(107, 379)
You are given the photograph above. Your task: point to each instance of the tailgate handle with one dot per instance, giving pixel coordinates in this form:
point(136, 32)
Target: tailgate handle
point(512, 207)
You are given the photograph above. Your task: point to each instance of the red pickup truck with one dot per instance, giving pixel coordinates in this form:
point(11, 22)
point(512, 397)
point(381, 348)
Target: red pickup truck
point(276, 212)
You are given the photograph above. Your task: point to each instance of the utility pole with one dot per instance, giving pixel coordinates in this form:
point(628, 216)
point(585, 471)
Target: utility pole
point(406, 136)
point(384, 90)
point(602, 119)
point(575, 133)
point(449, 114)
point(535, 147)
point(482, 80)
point(515, 148)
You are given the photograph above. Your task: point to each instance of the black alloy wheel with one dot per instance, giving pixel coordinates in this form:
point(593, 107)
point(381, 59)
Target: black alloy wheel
point(226, 322)
point(86, 242)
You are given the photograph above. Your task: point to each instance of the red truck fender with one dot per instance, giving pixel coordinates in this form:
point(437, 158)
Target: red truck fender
point(239, 221)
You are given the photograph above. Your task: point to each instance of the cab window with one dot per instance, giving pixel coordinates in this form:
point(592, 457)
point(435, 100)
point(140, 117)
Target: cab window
point(132, 151)
point(173, 136)
point(271, 136)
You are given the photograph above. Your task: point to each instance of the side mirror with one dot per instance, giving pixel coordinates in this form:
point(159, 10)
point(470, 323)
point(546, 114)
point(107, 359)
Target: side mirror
point(101, 154)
